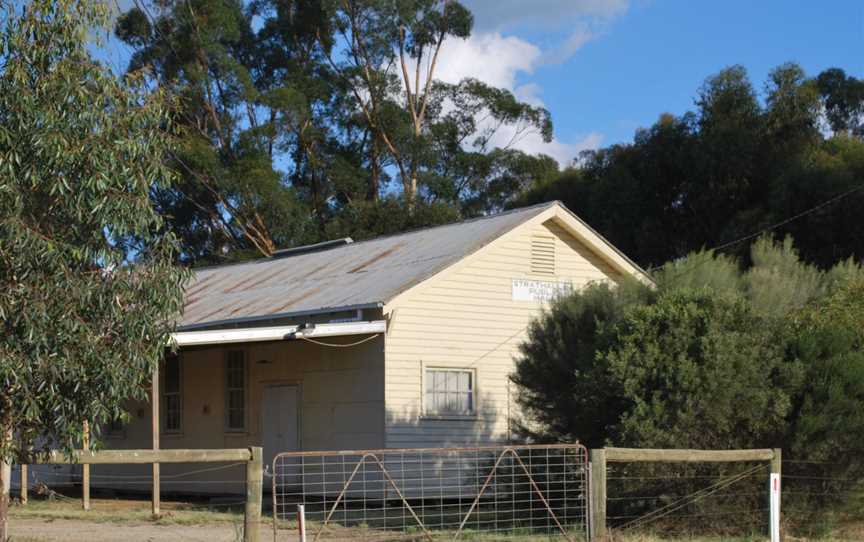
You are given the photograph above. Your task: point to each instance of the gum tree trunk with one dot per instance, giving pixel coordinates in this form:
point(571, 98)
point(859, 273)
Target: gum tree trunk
point(5, 470)
point(5, 483)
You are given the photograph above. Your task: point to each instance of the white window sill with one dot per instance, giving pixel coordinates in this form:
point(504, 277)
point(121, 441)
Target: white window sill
point(450, 417)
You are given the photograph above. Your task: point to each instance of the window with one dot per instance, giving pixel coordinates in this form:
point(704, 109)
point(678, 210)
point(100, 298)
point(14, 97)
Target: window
point(449, 392)
point(115, 429)
point(235, 390)
point(543, 255)
point(171, 395)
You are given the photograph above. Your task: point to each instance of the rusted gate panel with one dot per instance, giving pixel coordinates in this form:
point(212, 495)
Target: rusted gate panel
point(434, 493)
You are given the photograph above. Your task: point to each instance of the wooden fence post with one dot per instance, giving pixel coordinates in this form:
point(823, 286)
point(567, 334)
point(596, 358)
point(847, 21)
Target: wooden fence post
point(25, 483)
point(777, 461)
point(85, 469)
point(597, 487)
point(254, 488)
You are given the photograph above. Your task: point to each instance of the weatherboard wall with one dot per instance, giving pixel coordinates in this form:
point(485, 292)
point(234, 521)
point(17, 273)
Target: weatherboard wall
point(341, 407)
point(466, 318)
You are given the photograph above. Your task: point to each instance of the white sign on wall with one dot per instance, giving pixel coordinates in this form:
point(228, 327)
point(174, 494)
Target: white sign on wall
point(539, 290)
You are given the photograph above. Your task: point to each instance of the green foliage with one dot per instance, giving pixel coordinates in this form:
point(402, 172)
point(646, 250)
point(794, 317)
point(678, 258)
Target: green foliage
point(704, 268)
point(229, 196)
point(700, 373)
point(386, 216)
point(566, 387)
point(717, 356)
point(739, 163)
point(829, 339)
point(843, 98)
point(297, 117)
point(779, 281)
point(775, 283)
point(88, 289)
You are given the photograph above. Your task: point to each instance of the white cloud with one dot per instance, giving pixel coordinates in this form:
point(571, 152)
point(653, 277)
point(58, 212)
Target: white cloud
point(582, 34)
point(499, 61)
point(529, 93)
point(489, 57)
point(495, 56)
point(563, 152)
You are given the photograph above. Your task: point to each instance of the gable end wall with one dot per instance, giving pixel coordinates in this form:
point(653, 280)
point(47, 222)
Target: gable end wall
point(466, 318)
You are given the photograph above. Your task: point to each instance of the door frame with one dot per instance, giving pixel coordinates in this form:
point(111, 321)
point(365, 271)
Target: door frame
point(265, 384)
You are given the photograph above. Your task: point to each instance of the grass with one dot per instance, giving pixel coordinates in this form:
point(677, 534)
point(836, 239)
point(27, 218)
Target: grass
point(119, 511)
point(640, 537)
point(126, 511)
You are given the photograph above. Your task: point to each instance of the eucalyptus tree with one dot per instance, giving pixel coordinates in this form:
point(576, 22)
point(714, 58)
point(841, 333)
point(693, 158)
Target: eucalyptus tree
point(740, 163)
point(439, 138)
point(229, 195)
point(843, 98)
point(302, 117)
point(88, 288)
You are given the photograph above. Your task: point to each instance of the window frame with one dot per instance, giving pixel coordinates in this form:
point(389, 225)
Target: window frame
point(115, 429)
point(164, 394)
point(227, 391)
point(428, 414)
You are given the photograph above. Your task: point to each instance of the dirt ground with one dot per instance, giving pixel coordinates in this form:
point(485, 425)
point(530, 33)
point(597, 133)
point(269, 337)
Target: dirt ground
point(129, 521)
point(44, 530)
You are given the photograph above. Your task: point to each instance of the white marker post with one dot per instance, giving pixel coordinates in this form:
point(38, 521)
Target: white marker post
point(774, 506)
point(301, 522)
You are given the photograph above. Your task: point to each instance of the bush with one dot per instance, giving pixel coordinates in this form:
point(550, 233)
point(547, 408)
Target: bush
point(566, 389)
point(714, 357)
point(700, 370)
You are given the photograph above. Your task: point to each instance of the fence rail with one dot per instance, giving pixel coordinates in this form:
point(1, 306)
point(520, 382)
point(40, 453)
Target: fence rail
point(701, 487)
point(252, 457)
point(434, 493)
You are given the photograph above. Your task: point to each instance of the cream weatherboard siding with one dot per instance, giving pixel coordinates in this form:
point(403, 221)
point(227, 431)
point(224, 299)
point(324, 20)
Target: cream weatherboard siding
point(465, 318)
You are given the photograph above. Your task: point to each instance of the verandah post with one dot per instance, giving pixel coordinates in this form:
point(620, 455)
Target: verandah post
point(597, 489)
point(25, 482)
point(254, 488)
point(85, 469)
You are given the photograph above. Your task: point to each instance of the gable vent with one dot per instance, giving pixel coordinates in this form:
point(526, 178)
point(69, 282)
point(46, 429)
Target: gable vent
point(543, 254)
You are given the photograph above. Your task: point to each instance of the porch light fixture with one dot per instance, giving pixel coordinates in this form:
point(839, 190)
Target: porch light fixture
point(304, 327)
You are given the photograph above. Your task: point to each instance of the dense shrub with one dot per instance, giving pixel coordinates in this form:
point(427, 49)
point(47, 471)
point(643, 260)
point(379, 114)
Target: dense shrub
point(567, 391)
point(700, 370)
point(715, 357)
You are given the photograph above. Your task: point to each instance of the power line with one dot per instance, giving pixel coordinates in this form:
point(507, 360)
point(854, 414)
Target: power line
point(766, 229)
point(774, 226)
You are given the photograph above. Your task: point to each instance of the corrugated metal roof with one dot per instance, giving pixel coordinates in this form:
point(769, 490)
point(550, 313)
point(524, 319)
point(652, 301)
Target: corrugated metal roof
point(353, 275)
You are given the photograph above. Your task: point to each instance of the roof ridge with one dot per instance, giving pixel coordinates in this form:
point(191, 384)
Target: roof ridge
point(460, 222)
point(546, 204)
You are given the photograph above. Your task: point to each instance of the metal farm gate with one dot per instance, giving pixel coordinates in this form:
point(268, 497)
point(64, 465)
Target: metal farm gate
point(433, 493)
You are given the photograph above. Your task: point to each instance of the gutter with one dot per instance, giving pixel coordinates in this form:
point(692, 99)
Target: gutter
point(276, 333)
point(278, 316)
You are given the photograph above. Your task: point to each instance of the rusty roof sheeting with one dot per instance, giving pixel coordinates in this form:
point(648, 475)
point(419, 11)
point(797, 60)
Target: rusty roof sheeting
point(359, 274)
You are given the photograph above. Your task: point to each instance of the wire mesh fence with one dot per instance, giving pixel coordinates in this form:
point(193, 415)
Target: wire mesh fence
point(822, 498)
point(184, 488)
point(434, 493)
point(688, 499)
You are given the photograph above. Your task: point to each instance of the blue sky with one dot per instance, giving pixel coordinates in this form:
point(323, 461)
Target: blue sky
point(606, 67)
